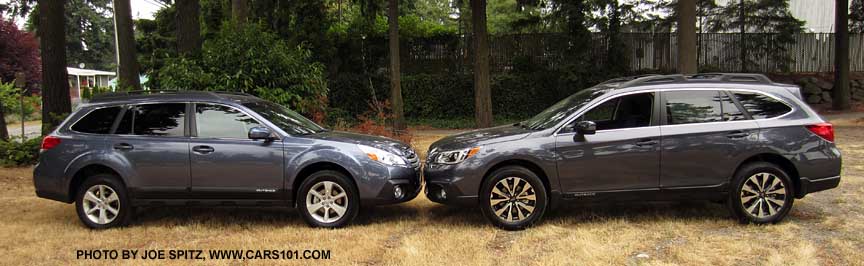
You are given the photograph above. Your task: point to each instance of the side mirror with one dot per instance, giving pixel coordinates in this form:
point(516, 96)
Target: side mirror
point(257, 133)
point(586, 127)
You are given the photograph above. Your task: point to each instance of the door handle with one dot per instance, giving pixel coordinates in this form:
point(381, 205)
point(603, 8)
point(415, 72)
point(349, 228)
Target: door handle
point(203, 149)
point(737, 134)
point(123, 146)
point(647, 142)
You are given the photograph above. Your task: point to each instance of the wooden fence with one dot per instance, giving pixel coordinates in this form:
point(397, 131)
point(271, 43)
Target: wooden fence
point(767, 53)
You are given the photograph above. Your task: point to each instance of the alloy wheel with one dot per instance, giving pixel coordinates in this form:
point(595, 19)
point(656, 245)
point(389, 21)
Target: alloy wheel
point(513, 199)
point(101, 204)
point(763, 195)
point(327, 202)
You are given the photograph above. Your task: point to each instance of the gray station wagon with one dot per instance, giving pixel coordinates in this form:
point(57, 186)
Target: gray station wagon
point(214, 148)
point(738, 138)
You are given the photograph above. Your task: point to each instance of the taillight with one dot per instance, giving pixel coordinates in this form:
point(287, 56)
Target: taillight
point(824, 130)
point(50, 142)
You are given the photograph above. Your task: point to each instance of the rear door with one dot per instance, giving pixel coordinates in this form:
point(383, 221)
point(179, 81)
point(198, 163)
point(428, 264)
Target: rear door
point(153, 139)
point(226, 164)
point(705, 135)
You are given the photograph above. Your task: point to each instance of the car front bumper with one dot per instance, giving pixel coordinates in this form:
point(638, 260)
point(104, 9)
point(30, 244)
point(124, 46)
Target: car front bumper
point(451, 184)
point(383, 191)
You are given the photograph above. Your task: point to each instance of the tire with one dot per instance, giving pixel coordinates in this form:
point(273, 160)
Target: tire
point(498, 204)
point(102, 202)
point(323, 208)
point(751, 204)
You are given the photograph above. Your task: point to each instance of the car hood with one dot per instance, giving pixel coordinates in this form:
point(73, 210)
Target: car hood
point(380, 142)
point(481, 137)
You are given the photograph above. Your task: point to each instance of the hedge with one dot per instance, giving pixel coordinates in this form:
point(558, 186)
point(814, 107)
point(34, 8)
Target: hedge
point(451, 96)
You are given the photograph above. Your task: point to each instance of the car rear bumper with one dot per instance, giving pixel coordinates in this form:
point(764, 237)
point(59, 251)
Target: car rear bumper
point(815, 185)
point(48, 186)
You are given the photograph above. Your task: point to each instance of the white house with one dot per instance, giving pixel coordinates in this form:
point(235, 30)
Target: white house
point(86, 78)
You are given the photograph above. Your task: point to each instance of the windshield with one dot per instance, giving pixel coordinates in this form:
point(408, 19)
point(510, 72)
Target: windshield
point(563, 109)
point(284, 118)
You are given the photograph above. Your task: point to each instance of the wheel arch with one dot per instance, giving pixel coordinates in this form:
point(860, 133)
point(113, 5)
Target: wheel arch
point(88, 171)
point(531, 166)
point(778, 160)
point(308, 170)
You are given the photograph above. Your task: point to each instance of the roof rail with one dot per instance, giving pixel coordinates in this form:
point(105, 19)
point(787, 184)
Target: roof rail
point(135, 92)
point(232, 93)
point(629, 78)
point(733, 77)
point(655, 79)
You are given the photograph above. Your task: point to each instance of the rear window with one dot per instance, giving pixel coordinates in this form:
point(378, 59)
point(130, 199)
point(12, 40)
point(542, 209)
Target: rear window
point(98, 121)
point(167, 119)
point(761, 106)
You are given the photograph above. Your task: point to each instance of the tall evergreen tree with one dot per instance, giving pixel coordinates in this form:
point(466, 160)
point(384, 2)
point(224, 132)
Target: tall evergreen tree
point(188, 27)
point(128, 65)
point(55, 85)
point(482, 90)
point(395, 71)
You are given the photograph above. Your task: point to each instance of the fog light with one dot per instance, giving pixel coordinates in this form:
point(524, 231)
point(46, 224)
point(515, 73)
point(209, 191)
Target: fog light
point(442, 194)
point(397, 192)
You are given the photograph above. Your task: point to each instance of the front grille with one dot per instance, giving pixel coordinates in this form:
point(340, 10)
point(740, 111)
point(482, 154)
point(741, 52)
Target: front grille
point(412, 157)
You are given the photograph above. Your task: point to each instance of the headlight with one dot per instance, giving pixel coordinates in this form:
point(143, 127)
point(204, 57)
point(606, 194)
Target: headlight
point(382, 156)
point(454, 157)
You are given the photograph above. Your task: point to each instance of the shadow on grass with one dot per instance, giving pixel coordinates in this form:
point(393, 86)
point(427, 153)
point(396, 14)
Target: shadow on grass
point(428, 215)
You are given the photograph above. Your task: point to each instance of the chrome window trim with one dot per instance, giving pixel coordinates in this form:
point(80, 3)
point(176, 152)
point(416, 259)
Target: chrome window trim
point(793, 108)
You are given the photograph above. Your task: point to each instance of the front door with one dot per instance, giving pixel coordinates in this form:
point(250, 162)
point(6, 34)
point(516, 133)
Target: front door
point(622, 155)
point(226, 164)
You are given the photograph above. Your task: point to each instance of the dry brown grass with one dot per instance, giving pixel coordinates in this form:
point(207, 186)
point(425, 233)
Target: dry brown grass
point(824, 228)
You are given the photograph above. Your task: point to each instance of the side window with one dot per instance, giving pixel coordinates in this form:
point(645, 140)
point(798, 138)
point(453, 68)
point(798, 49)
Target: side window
point(98, 121)
point(218, 121)
point(167, 119)
point(730, 110)
point(688, 107)
point(627, 111)
point(760, 106)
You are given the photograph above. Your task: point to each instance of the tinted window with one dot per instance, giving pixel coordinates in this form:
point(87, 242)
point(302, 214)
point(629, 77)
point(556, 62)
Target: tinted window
point(687, 107)
point(761, 106)
point(217, 121)
point(623, 112)
point(154, 119)
point(730, 110)
point(98, 121)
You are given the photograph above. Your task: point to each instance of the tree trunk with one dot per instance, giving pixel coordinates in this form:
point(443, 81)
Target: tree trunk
point(188, 27)
point(128, 65)
point(240, 10)
point(687, 37)
point(482, 92)
point(842, 95)
point(55, 84)
point(395, 71)
point(4, 133)
point(742, 19)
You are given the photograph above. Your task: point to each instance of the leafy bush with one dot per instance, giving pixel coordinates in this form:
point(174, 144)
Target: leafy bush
point(248, 58)
point(11, 99)
point(17, 153)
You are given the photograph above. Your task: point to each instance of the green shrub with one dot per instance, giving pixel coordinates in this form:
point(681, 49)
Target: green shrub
point(248, 58)
point(18, 153)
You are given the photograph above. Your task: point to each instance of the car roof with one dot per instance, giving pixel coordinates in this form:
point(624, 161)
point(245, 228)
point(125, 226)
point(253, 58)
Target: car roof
point(170, 96)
